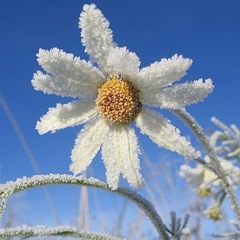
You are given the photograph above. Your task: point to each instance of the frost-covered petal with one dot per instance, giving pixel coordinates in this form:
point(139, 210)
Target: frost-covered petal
point(96, 34)
point(109, 156)
point(164, 73)
point(88, 143)
point(66, 66)
point(178, 96)
point(164, 134)
point(194, 176)
point(122, 62)
point(64, 87)
point(120, 155)
point(67, 115)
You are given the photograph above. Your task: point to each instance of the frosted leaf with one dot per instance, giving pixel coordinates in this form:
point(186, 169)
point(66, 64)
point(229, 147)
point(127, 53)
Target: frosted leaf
point(120, 155)
point(176, 228)
point(217, 135)
point(122, 62)
point(96, 35)
point(221, 125)
point(164, 73)
point(67, 115)
point(63, 87)
point(226, 141)
point(64, 65)
point(178, 96)
point(88, 144)
point(164, 134)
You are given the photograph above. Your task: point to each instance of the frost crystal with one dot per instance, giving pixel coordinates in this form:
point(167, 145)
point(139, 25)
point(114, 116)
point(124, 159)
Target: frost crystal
point(106, 125)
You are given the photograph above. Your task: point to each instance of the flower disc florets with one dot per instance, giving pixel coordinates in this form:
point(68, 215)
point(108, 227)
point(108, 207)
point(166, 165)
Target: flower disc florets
point(118, 101)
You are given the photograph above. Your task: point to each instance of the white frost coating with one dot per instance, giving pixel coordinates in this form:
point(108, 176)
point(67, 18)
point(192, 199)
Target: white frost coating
point(63, 87)
point(96, 35)
point(130, 150)
point(178, 96)
point(70, 76)
point(221, 125)
point(227, 141)
point(120, 155)
point(122, 62)
point(67, 115)
point(30, 231)
point(164, 73)
point(87, 144)
point(64, 65)
point(110, 159)
point(164, 134)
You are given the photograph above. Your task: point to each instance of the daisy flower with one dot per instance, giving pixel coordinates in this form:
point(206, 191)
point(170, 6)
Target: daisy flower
point(203, 179)
point(112, 93)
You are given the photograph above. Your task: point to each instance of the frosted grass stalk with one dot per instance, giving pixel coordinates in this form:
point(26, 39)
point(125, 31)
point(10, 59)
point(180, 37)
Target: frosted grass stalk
point(23, 184)
point(60, 231)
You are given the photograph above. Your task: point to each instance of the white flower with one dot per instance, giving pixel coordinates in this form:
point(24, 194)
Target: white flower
point(203, 179)
point(214, 213)
point(111, 97)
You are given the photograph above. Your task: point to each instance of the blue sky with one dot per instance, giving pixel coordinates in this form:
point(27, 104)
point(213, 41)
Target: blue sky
point(206, 31)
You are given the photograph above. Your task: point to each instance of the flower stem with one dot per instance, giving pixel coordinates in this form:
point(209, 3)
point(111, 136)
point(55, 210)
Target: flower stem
point(19, 185)
point(197, 129)
point(60, 231)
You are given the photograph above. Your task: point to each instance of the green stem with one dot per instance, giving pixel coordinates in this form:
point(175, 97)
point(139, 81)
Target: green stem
point(197, 129)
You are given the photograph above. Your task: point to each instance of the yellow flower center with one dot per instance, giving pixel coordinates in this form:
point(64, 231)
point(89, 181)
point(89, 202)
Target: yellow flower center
point(118, 101)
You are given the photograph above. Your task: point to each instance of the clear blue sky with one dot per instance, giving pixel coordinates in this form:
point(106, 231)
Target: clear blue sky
point(206, 31)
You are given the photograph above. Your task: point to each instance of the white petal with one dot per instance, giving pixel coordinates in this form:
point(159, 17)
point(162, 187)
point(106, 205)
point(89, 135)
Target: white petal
point(109, 156)
point(129, 151)
point(67, 115)
point(66, 66)
point(122, 62)
point(96, 35)
point(88, 144)
point(164, 73)
point(178, 96)
point(194, 176)
point(120, 155)
point(164, 134)
point(60, 86)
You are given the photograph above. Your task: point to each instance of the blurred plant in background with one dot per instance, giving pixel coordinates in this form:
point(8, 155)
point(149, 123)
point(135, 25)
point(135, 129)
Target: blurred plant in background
point(206, 183)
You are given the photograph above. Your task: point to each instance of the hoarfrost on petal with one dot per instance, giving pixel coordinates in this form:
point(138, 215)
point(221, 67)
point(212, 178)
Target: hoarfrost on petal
point(67, 115)
point(88, 144)
point(122, 62)
point(66, 66)
point(164, 134)
point(110, 159)
point(128, 144)
point(64, 87)
point(120, 155)
point(178, 96)
point(96, 34)
point(164, 73)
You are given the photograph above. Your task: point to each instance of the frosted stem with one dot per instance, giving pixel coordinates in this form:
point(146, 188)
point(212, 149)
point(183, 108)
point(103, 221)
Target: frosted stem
point(62, 231)
point(19, 185)
point(197, 129)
